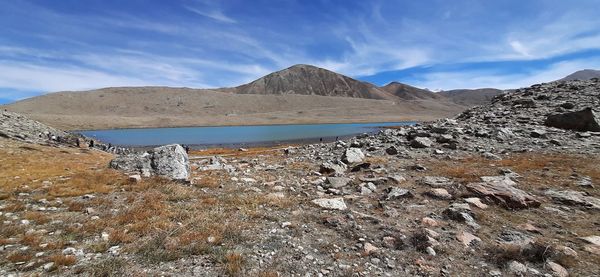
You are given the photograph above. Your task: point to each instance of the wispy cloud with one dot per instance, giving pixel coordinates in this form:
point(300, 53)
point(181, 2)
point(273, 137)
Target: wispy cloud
point(47, 46)
point(213, 14)
point(482, 78)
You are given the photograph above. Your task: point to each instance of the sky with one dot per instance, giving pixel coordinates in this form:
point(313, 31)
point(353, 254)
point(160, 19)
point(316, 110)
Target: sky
point(48, 46)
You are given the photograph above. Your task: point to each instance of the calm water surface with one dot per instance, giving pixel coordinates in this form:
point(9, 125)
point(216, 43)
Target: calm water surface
point(235, 135)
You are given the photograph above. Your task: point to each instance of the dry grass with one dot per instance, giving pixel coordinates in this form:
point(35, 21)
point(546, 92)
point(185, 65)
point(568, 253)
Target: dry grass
point(63, 260)
point(105, 268)
point(19, 257)
point(534, 167)
point(270, 150)
point(47, 163)
point(234, 264)
point(119, 236)
point(32, 240)
point(37, 217)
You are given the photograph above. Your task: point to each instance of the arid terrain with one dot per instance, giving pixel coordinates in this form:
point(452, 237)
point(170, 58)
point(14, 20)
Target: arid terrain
point(299, 94)
point(506, 189)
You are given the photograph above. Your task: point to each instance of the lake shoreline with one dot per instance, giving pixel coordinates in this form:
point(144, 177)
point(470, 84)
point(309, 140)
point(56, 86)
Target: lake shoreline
point(236, 136)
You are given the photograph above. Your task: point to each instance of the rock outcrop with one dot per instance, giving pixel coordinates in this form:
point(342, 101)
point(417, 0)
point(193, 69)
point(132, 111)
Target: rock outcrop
point(170, 161)
point(584, 120)
point(19, 127)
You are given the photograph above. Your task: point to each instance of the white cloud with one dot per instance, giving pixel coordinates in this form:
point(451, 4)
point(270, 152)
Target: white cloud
point(213, 13)
point(46, 78)
point(493, 79)
point(519, 48)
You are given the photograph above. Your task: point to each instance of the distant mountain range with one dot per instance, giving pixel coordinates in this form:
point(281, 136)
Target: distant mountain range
point(298, 94)
point(310, 80)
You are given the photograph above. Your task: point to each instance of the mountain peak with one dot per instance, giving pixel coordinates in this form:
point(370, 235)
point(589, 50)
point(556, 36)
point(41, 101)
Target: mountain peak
point(584, 74)
point(311, 80)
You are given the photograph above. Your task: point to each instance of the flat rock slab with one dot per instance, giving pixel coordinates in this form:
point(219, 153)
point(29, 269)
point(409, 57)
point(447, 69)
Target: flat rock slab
point(476, 202)
point(393, 193)
point(595, 240)
point(331, 203)
point(467, 238)
point(574, 198)
point(337, 182)
point(439, 193)
point(421, 142)
point(505, 194)
point(436, 182)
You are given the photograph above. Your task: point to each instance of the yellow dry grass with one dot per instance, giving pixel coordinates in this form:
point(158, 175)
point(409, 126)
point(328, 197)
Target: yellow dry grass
point(70, 171)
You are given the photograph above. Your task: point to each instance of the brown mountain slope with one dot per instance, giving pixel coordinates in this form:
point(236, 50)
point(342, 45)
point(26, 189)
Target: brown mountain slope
point(134, 107)
point(585, 74)
point(311, 80)
point(406, 92)
point(471, 97)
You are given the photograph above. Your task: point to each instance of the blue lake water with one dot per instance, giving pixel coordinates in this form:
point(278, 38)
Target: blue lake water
point(235, 135)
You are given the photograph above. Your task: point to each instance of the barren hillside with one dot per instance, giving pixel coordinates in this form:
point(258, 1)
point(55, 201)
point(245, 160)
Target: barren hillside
point(168, 107)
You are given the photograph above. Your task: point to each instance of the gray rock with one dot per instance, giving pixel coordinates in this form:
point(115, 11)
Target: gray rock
point(502, 191)
point(134, 163)
point(584, 120)
point(574, 198)
point(332, 168)
point(439, 193)
point(462, 213)
point(538, 133)
point(337, 182)
point(391, 150)
point(393, 193)
point(517, 268)
point(353, 155)
point(169, 161)
point(556, 269)
point(421, 142)
point(331, 203)
point(436, 181)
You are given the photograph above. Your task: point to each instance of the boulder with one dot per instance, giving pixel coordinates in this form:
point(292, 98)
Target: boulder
point(391, 150)
point(462, 213)
point(353, 155)
point(333, 168)
point(133, 163)
point(584, 120)
point(169, 161)
point(502, 192)
point(421, 142)
point(556, 269)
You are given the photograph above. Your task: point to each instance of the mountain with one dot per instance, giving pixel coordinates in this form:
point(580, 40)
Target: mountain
point(298, 94)
point(406, 92)
point(310, 80)
point(471, 97)
point(139, 107)
point(585, 74)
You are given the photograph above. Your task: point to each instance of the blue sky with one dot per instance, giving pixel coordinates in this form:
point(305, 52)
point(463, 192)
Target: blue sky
point(48, 46)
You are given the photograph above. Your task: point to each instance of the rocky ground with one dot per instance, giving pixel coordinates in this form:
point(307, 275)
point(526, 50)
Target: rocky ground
point(507, 189)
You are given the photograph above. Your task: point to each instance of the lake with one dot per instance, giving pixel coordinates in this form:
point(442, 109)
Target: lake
point(235, 135)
